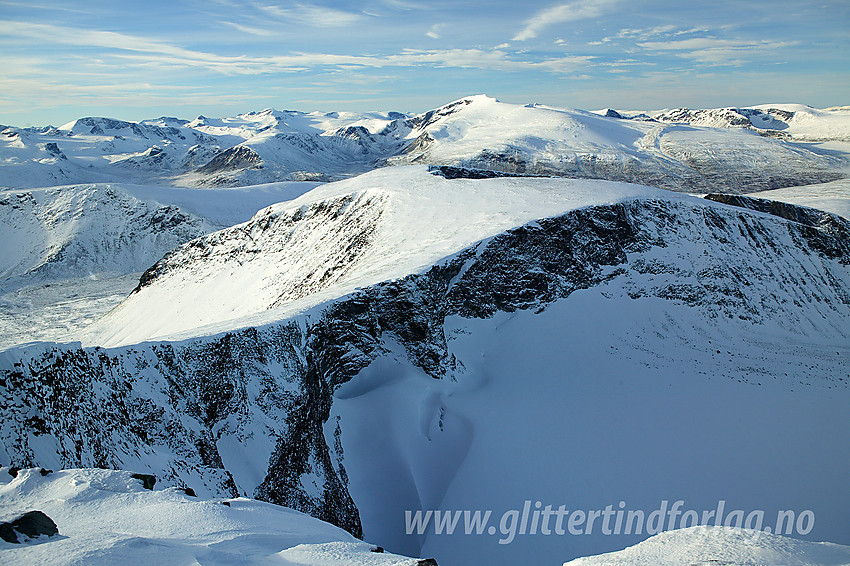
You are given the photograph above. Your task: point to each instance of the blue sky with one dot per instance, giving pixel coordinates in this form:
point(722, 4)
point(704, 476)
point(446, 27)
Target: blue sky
point(134, 60)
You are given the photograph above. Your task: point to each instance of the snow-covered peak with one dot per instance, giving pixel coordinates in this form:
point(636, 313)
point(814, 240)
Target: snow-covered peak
point(379, 226)
point(93, 125)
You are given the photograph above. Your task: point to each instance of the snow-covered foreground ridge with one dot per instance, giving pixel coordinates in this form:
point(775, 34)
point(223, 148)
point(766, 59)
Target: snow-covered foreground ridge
point(705, 546)
point(377, 227)
point(605, 310)
point(108, 517)
point(730, 150)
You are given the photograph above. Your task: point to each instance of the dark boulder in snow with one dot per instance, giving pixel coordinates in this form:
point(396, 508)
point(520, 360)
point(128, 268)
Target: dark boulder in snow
point(148, 480)
point(32, 524)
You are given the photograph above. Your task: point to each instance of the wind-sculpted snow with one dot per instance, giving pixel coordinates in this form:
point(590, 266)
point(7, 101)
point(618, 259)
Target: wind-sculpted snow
point(722, 545)
point(274, 411)
point(111, 517)
point(730, 149)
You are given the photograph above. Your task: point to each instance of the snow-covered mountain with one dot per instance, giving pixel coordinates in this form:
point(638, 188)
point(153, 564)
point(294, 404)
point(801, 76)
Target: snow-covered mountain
point(731, 150)
point(483, 133)
point(787, 121)
point(72, 253)
point(376, 227)
point(109, 517)
point(461, 344)
point(248, 149)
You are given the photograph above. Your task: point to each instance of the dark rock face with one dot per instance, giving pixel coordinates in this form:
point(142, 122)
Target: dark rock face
point(424, 120)
point(53, 149)
point(32, 524)
point(186, 399)
point(725, 116)
point(448, 172)
point(826, 221)
point(237, 157)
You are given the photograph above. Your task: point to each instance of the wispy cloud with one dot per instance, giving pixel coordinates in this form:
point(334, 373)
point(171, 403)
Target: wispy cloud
point(105, 39)
point(152, 53)
point(434, 32)
point(403, 5)
point(716, 51)
point(645, 34)
point(315, 16)
point(251, 30)
point(583, 9)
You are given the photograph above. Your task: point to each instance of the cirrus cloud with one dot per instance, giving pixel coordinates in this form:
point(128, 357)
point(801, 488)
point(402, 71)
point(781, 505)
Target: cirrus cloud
point(583, 9)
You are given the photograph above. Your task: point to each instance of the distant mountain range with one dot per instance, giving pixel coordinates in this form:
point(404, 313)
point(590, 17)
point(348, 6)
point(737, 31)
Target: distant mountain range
point(728, 149)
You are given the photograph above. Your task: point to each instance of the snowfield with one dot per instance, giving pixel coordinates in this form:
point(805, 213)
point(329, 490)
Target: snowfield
point(722, 545)
point(107, 517)
point(833, 197)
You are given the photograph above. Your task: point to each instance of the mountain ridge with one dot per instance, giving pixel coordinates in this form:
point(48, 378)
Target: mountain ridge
point(474, 132)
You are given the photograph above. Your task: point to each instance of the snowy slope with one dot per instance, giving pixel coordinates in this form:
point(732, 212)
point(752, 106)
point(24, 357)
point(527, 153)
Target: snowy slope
point(107, 517)
point(722, 545)
point(599, 399)
point(81, 230)
point(72, 253)
point(334, 239)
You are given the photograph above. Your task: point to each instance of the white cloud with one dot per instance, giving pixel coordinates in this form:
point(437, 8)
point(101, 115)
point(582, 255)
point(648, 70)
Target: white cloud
point(117, 49)
point(583, 9)
point(715, 51)
point(250, 30)
point(314, 16)
point(434, 32)
point(645, 34)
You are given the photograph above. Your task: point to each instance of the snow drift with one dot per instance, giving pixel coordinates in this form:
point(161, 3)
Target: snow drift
point(722, 545)
point(108, 517)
